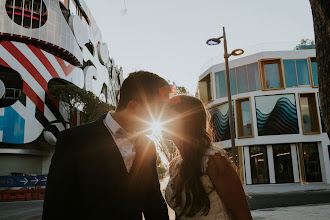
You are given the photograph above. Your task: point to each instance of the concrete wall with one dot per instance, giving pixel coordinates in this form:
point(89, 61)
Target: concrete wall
point(27, 164)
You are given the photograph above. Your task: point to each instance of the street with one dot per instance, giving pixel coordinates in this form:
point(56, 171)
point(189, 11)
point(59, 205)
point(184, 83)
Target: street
point(27, 210)
point(31, 210)
point(289, 205)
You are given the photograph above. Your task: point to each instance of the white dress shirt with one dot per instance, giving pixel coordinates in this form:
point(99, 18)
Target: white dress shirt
point(125, 141)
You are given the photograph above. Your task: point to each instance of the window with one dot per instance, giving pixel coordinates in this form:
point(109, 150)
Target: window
point(220, 84)
point(315, 78)
point(283, 163)
point(13, 85)
point(271, 74)
point(244, 118)
point(311, 162)
point(233, 85)
point(242, 80)
point(259, 164)
point(290, 73)
point(302, 72)
point(253, 75)
point(23, 10)
point(309, 114)
point(206, 89)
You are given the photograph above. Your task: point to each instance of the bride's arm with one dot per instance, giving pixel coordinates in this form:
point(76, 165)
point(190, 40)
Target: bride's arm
point(228, 185)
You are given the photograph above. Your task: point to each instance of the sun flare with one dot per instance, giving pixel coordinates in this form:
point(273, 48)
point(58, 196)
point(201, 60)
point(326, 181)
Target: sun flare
point(156, 128)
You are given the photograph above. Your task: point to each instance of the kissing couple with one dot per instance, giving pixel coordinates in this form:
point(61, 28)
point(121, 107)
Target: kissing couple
point(107, 169)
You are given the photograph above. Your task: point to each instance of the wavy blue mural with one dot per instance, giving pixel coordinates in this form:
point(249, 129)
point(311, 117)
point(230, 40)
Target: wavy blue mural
point(220, 123)
point(282, 118)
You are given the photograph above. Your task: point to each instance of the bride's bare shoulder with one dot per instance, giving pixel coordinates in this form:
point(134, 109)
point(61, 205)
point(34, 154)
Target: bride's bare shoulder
point(219, 165)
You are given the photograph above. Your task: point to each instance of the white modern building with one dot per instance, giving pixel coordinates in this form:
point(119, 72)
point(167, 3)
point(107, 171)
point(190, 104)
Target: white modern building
point(278, 122)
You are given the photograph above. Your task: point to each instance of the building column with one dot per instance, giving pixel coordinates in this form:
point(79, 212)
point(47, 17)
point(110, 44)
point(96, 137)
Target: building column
point(294, 158)
point(324, 161)
point(271, 169)
point(247, 165)
point(240, 163)
point(301, 163)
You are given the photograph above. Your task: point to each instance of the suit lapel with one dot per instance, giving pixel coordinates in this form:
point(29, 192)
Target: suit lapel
point(110, 146)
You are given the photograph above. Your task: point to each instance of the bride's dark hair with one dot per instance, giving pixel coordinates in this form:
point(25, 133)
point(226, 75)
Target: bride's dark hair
point(197, 139)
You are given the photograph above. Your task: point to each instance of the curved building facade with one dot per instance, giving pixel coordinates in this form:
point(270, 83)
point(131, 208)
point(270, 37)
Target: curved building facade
point(279, 128)
point(42, 41)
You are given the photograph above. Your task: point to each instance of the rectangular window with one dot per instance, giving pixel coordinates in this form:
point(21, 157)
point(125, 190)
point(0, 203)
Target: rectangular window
point(302, 72)
point(309, 114)
point(253, 74)
point(290, 73)
point(283, 163)
point(315, 78)
point(220, 84)
point(272, 77)
point(242, 80)
point(244, 118)
point(233, 85)
point(312, 162)
point(205, 88)
point(259, 164)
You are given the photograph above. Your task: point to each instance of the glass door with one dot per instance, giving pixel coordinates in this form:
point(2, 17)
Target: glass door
point(283, 163)
point(259, 164)
point(312, 162)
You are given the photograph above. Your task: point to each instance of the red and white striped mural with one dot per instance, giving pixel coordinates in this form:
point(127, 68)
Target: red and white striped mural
point(75, 53)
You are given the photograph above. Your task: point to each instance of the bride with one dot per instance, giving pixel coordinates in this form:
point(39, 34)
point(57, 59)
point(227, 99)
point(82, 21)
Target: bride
point(204, 183)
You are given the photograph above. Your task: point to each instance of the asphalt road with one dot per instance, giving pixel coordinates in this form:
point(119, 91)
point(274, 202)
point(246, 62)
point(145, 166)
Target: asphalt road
point(27, 210)
point(31, 210)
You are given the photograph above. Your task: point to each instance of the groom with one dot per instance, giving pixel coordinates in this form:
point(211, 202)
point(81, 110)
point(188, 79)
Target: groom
point(107, 169)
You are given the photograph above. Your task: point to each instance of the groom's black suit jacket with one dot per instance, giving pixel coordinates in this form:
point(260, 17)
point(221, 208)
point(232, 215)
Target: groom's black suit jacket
point(88, 179)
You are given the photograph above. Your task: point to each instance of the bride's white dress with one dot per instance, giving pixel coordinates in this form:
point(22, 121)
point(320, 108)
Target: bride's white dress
point(217, 208)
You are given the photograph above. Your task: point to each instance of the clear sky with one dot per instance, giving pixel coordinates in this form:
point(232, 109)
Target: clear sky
point(168, 37)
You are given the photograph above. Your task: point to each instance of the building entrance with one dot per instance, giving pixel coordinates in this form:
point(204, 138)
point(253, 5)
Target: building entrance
point(283, 163)
point(259, 164)
point(312, 162)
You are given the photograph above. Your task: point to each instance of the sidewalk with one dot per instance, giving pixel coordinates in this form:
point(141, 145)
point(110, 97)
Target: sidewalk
point(316, 212)
point(285, 188)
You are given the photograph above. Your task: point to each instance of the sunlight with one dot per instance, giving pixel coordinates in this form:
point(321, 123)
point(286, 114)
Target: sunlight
point(156, 128)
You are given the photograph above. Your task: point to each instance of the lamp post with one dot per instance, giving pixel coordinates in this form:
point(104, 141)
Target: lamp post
point(237, 52)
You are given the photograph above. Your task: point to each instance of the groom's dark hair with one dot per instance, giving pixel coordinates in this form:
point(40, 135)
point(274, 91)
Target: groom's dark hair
point(144, 87)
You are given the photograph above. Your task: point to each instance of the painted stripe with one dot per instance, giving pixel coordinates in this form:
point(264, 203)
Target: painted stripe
point(3, 63)
point(26, 76)
point(66, 69)
point(49, 115)
point(55, 64)
point(39, 66)
point(12, 49)
point(33, 96)
point(43, 59)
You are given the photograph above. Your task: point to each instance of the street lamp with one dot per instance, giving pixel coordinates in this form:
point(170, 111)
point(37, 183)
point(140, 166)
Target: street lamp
point(237, 52)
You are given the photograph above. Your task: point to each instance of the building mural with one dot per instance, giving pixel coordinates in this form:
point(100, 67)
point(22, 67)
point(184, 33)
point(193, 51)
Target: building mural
point(276, 114)
point(42, 41)
point(220, 122)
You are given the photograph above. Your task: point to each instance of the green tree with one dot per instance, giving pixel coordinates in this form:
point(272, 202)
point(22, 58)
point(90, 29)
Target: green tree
point(74, 98)
point(181, 90)
point(305, 44)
